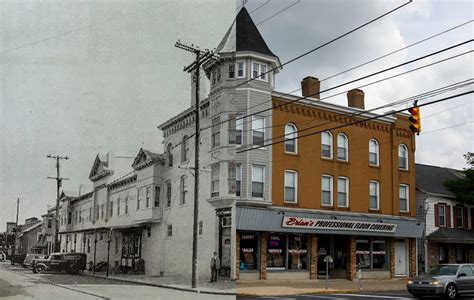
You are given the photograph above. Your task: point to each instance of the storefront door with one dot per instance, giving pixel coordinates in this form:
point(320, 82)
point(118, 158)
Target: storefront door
point(400, 258)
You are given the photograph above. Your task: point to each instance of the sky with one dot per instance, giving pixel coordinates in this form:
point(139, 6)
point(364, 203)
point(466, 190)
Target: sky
point(79, 78)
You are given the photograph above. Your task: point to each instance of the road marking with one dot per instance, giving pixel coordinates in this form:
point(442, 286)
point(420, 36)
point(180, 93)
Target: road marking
point(324, 297)
point(376, 296)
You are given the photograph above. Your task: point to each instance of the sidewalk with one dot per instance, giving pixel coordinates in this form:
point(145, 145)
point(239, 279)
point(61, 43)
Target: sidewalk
point(222, 287)
point(287, 288)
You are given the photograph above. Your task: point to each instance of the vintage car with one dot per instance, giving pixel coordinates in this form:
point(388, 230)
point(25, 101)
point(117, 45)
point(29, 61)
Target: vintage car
point(17, 258)
point(71, 262)
point(29, 258)
point(450, 280)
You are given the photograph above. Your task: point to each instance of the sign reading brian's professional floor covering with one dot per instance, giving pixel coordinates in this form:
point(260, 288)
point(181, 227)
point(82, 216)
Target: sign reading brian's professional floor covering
point(309, 223)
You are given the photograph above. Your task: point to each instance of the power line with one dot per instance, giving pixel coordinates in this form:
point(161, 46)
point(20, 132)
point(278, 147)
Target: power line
point(277, 13)
point(260, 6)
point(329, 42)
point(355, 122)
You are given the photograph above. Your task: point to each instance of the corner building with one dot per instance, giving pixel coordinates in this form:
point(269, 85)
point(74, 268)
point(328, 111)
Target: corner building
point(348, 193)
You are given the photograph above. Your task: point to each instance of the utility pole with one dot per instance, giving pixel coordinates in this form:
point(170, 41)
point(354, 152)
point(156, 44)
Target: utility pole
point(58, 179)
point(17, 211)
point(16, 226)
point(201, 57)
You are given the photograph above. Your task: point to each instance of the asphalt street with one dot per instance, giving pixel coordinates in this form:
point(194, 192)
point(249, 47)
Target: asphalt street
point(19, 283)
point(402, 295)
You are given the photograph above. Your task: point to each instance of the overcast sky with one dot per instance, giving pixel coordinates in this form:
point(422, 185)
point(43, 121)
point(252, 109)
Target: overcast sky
point(82, 77)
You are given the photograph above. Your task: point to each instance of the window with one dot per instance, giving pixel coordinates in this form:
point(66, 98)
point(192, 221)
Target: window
point(255, 67)
point(372, 253)
point(291, 183)
point(235, 129)
point(157, 196)
point(290, 138)
point(185, 149)
point(442, 215)
point(276, 251)
point(49, 223)
point(326, 144)
point(102, 211)
point(298, 252)
point(460, 258)
point(326, 190)
point(248, 251)
point(342, 147)
point(69, 218)
point(231, 71)
point(183, 191)
point(169, 155)
point(259, 71)
point(148, 196)
point(373, 152)
point(404, 201)
point(402, 157)
point(240, 69)
point(232, 180)
point(216, 132)
point(343, 192)
point(258, 130)
point(257, 181)
point(88, 245)
point(238, 179)
point(170, 230)
point(263, 72)
point(374, 195)
point(459, 216)
point(168, 193)
point(215, 168)
point(111, 211)
point(200, 228)
point(126, 204)
point(118, 206)
point(139, 198)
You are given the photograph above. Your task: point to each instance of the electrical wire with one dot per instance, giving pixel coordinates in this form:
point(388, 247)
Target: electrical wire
point(277, 13)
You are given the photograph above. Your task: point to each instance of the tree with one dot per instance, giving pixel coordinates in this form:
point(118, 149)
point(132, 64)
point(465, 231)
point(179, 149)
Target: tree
point(463, 188)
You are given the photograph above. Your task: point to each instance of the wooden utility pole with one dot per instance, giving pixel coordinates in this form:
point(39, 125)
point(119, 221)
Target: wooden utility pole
point(201, 57)
point(58, 179)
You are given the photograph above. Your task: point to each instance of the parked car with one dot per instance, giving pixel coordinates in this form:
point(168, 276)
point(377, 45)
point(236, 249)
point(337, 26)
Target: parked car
point(29, 258)
point(3, 256)
point(450, 280)
point(17, 258)
point(71, 262)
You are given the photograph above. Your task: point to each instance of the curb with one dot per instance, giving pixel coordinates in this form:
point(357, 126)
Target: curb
point(322, 292)
point(184, 289)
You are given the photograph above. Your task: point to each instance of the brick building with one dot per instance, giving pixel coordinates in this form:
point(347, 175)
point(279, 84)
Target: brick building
point(348, 193)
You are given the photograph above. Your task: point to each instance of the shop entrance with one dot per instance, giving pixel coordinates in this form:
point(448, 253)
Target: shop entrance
point(336, 246)
point(225, 230)
point(400, 258)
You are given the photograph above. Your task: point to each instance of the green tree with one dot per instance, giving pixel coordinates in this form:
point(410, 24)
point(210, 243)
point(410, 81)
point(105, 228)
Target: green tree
point(463, 188)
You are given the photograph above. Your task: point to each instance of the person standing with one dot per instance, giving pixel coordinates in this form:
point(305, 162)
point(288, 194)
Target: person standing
point(215, 265)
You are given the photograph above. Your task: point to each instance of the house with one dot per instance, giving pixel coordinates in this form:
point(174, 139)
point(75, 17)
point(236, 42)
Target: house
point(449, 234)
point(347, 193)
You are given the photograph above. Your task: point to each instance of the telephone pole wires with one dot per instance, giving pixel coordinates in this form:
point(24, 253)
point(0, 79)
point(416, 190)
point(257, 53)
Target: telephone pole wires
point(59, 180)
point(201, 57)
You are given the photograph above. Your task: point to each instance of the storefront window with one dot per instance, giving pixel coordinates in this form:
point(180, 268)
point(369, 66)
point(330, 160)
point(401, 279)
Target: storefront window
point(372, 253)
point(297, 252)
point(248, 251)
point(276, 249)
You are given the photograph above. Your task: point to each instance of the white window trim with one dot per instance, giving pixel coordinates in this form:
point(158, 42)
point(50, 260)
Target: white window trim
point(347, 148)
point(408, 197)
point(439, 215)
point(347, 191)
point(295, 140)
point(263, 130)
point(406, 158)
point(331, 190)
point(331, 144)
point(237, 69)
point(251, 182)
point(377, 152)
point(378, 195)
point(296, 186)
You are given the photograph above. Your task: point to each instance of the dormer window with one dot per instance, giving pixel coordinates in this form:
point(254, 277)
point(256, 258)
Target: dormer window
point(259, 71)
point(240, 69)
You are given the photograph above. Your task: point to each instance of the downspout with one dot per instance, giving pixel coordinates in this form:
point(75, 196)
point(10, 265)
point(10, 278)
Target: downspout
point(425, 244)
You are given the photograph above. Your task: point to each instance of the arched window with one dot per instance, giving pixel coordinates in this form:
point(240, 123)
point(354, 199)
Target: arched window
point(373, 152)
point(184, 149)
point(342, 147)
point(169, 155)
point(403, 157)
point(291, 144)
point(326, 144)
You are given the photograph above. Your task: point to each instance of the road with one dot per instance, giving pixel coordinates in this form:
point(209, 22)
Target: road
point(402, 295)
point(19, 283)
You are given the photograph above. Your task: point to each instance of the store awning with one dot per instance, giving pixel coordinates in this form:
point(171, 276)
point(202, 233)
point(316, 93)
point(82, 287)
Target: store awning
point(327, 222)
point(452, 235)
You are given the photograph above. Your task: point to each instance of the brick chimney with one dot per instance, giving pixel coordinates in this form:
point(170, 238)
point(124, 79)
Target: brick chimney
point(355, 98)
point(310, 87)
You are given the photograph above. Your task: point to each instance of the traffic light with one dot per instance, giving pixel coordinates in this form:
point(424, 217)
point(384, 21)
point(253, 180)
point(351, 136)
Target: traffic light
point(415, 124)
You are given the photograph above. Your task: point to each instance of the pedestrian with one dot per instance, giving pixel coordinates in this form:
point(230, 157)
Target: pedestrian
point(215, 265)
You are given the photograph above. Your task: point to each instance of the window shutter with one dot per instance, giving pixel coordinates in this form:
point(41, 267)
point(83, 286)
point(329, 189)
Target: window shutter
point(464, 218)
point(472, 218)
point(448, 216)
point(455, 216)
point(436, 214)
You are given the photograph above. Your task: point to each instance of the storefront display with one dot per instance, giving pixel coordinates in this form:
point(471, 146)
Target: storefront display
point(248, 251)
point(276, 248)
point(297, 252)
point(372, 253)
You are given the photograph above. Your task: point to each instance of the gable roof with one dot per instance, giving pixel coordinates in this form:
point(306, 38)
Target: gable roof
point(243, 35)
point(145, 158)
point(431, 178)
point(100, 162)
